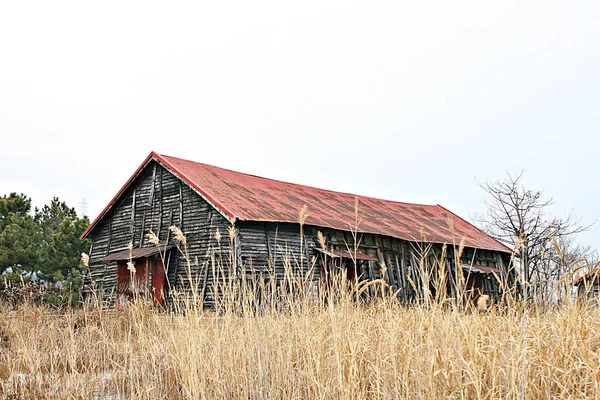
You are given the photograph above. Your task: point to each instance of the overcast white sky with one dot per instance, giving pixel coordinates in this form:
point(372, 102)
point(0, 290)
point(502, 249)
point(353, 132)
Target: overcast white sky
point(404, 100)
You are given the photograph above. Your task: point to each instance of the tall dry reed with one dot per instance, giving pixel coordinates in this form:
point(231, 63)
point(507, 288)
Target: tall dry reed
point(340, 350)
point(273, 341)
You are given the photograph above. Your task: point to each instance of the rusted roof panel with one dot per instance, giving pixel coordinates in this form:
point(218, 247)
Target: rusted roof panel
point(251, 198)
point(135, 253)
point(482, 269)
point(270, 200)
point(585, 277)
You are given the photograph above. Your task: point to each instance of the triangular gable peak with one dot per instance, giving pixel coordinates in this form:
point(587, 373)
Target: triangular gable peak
point(246, 197)
point(154, 157)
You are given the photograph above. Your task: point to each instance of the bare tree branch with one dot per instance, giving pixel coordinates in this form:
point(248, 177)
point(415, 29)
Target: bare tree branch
point(516, 214)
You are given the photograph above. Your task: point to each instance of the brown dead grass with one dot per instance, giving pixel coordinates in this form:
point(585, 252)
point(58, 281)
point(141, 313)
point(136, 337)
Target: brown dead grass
point(341, 350)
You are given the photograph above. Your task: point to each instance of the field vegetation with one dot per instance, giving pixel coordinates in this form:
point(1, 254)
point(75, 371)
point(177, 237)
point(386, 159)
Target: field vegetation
point(339, 347)
point(268, 338)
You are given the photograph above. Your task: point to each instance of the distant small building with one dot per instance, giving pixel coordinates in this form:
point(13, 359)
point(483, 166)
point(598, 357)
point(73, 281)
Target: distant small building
point(383, 242)
point(588, 285)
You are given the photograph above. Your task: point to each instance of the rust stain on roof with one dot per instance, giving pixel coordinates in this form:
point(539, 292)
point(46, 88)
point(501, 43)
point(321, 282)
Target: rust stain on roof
point(276, 201)
point(270, 200)
point(482, 269)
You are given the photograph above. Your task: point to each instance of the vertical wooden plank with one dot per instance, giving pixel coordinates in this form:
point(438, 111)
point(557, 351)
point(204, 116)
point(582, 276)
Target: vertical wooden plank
point(371, 277)
point(416, 274)
point(237, 255)
point(382, 262)
point(204, 283)
point(401, 280)
point(169, 230)
point(404, 270)
point(181, 206)
point(107, 251)
point(160, 202)
point(269, 250)
point(504, 278)
point(143, 227)
point(500, 264)
point(151, 200)
point(380, 257)
point(277, 251)
point(169, 285)
point(390, 268)
point(306, 254)
point(132, 221)
point(451, 268)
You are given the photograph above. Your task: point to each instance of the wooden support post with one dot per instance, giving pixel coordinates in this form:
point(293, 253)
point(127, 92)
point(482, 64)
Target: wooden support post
point(404, 269)
point(160, 201)
point(269, 251)
point(168, 228)
point(143, 227)
point(504, 278)
point(401, 279)
point(416, 275)
point(237, 254)
point(382, 262)
point(132, 222)
point(306, 254)
point(106, 253)
point(151, 199)
point(276, 249)
point(390, 269)
point(204, 283)
point(181, 206)
point(380, 257)
point(371, 277)
point(451, 275)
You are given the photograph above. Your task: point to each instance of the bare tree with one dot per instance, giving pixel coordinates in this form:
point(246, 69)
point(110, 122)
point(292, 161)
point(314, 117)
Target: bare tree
point(521, 217)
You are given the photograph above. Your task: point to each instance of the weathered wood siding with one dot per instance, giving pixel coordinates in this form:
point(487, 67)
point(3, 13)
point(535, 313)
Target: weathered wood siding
point(154, 201)
point(157, 199)
point(395, 261)
point(401, 263)
point(268, 248)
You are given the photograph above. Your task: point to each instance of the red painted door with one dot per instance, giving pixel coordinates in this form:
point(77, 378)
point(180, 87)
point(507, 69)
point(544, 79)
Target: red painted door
point(157, 280)
point(130, 285)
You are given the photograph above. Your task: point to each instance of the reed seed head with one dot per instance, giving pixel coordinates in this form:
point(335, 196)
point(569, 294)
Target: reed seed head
point(152, 238)
point(85, 259)
point(178, 235)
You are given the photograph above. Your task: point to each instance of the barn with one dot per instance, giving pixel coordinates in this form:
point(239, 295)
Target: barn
point(265, 228)
point(588, 285)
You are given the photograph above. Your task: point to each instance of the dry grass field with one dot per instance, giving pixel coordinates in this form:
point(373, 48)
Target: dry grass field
point(299, 348)
point(341, 350)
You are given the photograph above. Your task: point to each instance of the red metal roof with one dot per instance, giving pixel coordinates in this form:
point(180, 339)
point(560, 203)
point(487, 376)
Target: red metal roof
point(252, 198)
point(584, 277)
point(481, 269)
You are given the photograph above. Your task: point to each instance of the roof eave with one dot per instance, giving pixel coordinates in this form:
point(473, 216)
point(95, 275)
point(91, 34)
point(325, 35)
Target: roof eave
point(505, 248)
point(224, 211)
point(118, 195)
point(153, 156)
